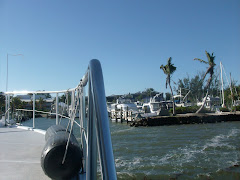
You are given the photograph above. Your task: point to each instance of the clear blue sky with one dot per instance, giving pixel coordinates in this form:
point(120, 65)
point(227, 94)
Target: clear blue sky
point(131, 38)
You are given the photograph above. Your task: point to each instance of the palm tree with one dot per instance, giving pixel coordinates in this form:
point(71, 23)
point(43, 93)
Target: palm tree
point(169, 69)
point(40, 104)
point(2, 103)
point(16, 103)
point(209, 71)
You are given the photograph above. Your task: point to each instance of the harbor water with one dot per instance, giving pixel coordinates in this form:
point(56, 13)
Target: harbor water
point(198, 151)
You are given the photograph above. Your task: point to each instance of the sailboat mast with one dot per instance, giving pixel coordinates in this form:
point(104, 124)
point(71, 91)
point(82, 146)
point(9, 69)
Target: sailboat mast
point(180, 95)
point(231, 89)
point(223, 103)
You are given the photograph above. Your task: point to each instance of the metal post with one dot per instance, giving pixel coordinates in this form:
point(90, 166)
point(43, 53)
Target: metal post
point(7, 75)
point(121, 114)
point(33, 110)
point(82, 111)
point(180, 95)
point(8, 106)
point(5, 105)
point(91, 164)
point(72, 102)
point(107, 164)
point(83, 123)
point(223, 103)
point(127, 114)
point(56, 109)
point(231, 89)
point(116, 113)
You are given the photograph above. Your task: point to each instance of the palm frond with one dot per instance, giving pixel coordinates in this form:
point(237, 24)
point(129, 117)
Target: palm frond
point(210, 58)
point(172, 69)
point(169, 61)
point(164, 69)
point(201, 60)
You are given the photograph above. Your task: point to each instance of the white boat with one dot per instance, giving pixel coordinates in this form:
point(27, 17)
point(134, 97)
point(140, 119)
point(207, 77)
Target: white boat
point(156, 106)
point(124, 104)
point(31, 153)
point(139, 105)
point(180, 100)
point(212, 103)
point(109, 107)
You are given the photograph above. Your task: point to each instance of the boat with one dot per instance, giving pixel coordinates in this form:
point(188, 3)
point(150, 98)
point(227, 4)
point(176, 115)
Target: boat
point(180, 100)
point(139, 105)
point(123, 109)
point(212, 103)
point(31, 153)
point(156, 106)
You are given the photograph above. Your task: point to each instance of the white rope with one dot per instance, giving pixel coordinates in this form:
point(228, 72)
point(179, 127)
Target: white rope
point(7, 111)
point(75, 105)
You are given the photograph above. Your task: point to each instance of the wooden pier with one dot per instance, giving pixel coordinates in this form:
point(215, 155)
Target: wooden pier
point(121, 115)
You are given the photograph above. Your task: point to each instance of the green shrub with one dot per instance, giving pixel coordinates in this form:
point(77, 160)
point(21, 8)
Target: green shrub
point(224, 109)
point(236, 108)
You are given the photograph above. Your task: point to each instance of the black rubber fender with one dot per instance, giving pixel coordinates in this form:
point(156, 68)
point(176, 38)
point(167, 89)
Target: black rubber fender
point(53, 153)
point(52, 130)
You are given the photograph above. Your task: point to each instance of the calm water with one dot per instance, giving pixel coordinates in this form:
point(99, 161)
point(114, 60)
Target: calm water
point(204, 151)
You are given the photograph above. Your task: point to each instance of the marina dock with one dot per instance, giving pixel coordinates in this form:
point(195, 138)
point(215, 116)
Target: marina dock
point(120, 115)
point(191, 118)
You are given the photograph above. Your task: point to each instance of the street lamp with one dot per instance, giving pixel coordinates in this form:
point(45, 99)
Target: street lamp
point(7, 67)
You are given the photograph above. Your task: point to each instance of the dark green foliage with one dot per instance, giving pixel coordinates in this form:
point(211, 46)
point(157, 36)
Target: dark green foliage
point(195, 84)
point(229, 97)
point(138, 96)
point(16, 103)
point(149, 92)
point(224, 109)
point(236, 108)
point(168, 69)
point(2, 104)
point(168, 96)
point(40, 104)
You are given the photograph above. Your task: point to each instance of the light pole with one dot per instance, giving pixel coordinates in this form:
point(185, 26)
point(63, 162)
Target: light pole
point(7, 67)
